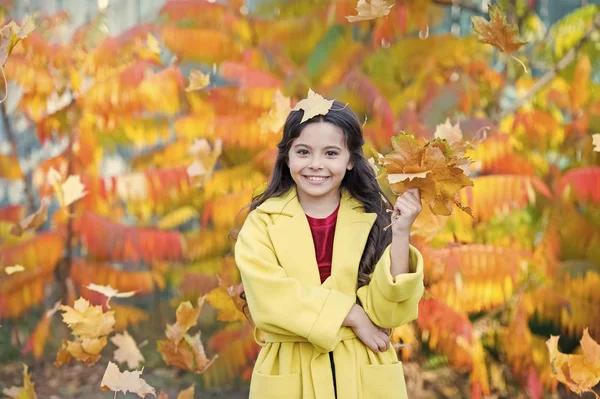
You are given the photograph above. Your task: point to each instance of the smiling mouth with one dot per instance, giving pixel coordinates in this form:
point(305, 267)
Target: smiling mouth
point(316, 179)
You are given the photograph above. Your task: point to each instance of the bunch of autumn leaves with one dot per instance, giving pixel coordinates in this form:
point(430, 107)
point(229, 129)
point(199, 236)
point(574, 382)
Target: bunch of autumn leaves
point(91, 325)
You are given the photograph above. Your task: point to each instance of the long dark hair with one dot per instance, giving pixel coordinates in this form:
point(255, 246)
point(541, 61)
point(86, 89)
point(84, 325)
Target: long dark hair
point(360, 181)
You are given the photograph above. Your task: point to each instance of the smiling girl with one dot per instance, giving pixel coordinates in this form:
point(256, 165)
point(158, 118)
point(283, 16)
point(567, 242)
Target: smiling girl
point(324, 281)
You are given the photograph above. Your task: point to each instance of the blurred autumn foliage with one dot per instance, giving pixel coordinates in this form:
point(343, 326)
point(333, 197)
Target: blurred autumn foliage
point(192, 103)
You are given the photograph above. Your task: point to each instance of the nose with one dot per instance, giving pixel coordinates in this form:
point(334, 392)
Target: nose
point(316, 163)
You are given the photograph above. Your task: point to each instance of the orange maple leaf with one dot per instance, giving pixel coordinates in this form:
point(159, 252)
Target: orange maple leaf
point(180, 349)
point(435, 169)
point(580, 373)
point(497, 31)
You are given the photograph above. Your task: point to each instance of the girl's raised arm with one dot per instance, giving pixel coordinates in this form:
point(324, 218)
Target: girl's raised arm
point(393, 301)
point(280, 304)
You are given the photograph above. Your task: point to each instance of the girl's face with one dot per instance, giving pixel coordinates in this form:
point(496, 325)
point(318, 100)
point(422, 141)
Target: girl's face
point(318, 160)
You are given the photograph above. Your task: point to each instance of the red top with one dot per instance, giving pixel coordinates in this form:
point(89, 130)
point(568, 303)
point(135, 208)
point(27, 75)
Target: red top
point(323, 230)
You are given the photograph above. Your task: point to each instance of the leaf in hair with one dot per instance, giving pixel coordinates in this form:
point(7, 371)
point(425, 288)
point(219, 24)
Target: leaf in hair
point(314, 104)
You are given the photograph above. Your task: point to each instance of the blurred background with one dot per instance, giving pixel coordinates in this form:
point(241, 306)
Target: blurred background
point(134, 132)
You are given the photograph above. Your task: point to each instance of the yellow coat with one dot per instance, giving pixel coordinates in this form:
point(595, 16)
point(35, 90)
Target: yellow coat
point(299, 320)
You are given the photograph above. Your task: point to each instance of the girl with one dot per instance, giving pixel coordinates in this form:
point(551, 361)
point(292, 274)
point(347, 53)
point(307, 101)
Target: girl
point(323, 280)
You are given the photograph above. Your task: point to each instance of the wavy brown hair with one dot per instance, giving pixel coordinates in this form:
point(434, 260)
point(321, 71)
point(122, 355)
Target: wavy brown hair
point(360, 181)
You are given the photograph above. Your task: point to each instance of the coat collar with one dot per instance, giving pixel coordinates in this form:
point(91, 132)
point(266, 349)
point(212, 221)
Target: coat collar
point(294, 247)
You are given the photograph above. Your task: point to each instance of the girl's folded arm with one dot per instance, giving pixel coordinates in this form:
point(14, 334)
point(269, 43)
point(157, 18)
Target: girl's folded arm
point(280, 304)
point(393, 301)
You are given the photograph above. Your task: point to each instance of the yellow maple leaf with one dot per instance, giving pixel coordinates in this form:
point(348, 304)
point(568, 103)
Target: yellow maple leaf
point(152, 44)
point(198, 80)
point(27, 391)
point(68, 191)
point(187, 316)
point(596, 142)
point(11, 34)
point(580, 373)
point(273, 120)
point(73, 190)
point(206, 159)
point(448, 132)
point(372, 10)
point(87, 321)
point(127, 350)
point(220, 299)
point(187, 393)
point(126, 381)
point(314, 104)
point(33, 221)
point(13, 269)
point(109, 292)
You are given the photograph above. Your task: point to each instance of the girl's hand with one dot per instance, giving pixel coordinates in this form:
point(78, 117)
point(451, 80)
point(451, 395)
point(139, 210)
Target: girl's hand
point(372, 336)
point(406, 209)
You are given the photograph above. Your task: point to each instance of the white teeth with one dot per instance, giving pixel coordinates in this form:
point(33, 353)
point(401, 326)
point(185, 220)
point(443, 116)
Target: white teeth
point(316, 179)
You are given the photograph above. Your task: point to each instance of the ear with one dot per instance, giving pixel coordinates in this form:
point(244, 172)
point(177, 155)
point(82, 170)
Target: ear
point(350, 166)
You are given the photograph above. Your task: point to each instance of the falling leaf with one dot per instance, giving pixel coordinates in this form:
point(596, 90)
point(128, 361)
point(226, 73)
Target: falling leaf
point(128, 351)
point(68, 191)
point(13, 269)
point(73, 190)
point(198, 80)
point(186, 393)
point(188, 354)
point(127, 381)
point(273, 120)
point(580, 373)
point(596, 142)
point(220, 299)
point(206, 159)
point(26, 391)
point(180, 349)
point(448, 132)
point(152, 44)
point(187, 316)
point(314, 104)
point(372, 10)
point(87, 321)
point(11, 34)
point(109, 292)
point(432, 168)
point(32, 221)
point(497, 31)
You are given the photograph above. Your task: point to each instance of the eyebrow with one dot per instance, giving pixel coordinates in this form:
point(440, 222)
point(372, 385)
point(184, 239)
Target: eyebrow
point(335, 147)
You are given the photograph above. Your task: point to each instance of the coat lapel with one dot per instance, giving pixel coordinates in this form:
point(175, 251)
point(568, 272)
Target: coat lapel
point(294, 247)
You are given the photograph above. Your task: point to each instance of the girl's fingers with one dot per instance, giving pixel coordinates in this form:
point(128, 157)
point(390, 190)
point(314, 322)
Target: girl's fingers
point(405, 206)
point(381, 344)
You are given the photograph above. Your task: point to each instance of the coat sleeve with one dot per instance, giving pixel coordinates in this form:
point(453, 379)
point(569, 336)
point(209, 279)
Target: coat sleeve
point(391, 302)
point(280, 304)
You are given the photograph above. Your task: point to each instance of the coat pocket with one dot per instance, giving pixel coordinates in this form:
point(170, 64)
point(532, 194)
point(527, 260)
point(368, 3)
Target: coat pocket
point(265, 386)
point(383, 381)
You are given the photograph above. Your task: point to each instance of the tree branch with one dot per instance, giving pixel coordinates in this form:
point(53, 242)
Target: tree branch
point(466, 7)
point(551, 74)
point(15, 152)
